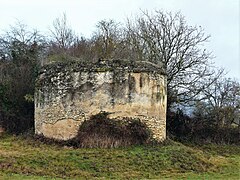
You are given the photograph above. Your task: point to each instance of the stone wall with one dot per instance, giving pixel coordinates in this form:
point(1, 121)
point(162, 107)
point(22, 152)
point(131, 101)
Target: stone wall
point(68, 94)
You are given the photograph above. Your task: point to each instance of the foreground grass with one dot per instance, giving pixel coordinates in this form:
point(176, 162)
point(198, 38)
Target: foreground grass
point(28, 159)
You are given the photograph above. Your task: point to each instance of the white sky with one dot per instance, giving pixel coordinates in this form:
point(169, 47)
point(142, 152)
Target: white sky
point(219, 18)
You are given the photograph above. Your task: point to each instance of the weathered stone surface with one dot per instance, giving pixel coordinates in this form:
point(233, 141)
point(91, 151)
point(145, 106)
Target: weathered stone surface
point(68, 94)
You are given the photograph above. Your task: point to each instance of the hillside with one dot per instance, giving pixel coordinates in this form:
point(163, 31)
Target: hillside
point(26, 158)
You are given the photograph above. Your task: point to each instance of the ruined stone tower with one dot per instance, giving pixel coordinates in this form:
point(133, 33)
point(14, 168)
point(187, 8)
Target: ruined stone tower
point(68, 94)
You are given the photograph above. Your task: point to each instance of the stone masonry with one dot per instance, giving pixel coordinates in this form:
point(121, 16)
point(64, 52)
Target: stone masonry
point(68, 94)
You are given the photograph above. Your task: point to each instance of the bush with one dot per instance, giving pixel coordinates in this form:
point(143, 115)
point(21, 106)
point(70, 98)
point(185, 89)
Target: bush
point(181, 127)
point(101, 131)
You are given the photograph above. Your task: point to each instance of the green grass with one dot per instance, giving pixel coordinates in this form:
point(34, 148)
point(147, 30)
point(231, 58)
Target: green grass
point(22, 158)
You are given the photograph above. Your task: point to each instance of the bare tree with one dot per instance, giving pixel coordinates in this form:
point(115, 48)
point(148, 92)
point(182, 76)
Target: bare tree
point(107, 39)
point(166, 39)
point(222, 102)
point(61, 34)
point(82, 49)
point(19, 43)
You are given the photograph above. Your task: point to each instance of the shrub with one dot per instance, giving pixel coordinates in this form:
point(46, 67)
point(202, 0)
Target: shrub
point(101, 131)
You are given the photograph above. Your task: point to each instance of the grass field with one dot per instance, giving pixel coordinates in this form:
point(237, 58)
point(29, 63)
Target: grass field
point(26, 158)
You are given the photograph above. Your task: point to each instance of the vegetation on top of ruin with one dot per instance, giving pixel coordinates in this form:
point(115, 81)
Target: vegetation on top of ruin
point(77, 64)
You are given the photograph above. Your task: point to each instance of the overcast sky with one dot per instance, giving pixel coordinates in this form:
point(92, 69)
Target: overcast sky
point(219, 18)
